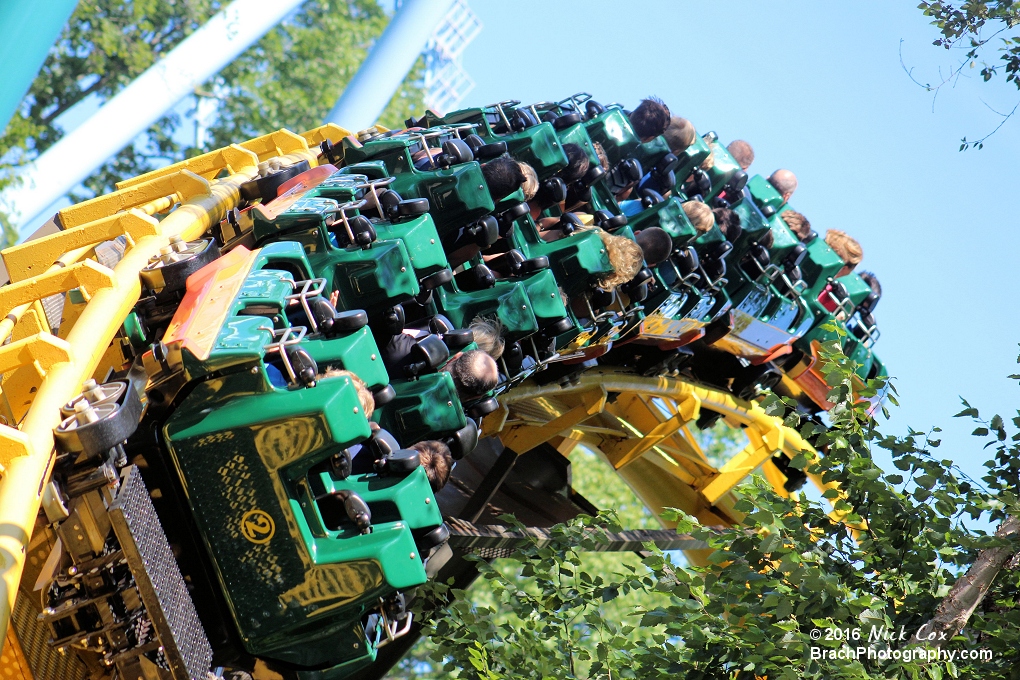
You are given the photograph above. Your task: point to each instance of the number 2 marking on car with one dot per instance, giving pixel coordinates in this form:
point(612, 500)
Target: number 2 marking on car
point(257, 526)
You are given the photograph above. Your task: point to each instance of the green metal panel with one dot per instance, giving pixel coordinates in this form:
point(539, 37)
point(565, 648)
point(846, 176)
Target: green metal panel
point(421, 240)
point(612, 129)
point(423, 409)
point(819, 265)
point(764, 193)
point(507, 301)
point(690, 158)
point(356, 352)
point(670, 216)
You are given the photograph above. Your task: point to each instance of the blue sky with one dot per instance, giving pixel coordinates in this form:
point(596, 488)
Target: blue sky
point(818, 88)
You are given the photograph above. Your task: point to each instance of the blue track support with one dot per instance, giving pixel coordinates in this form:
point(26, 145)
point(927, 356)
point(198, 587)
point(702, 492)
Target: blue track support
point(27, 30)
point(388, 63)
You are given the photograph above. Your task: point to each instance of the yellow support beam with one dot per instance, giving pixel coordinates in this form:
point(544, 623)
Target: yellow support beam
point(627, 451)
point(524, 438)
point(330, 131)
point(32, 446)
point(34, 257)
point(88, 277)
point(279, 143)
point(182, 185)
point(41, 351)
point(232, 159)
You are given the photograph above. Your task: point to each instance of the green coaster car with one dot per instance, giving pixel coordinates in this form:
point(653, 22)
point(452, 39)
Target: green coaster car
point(310, 559)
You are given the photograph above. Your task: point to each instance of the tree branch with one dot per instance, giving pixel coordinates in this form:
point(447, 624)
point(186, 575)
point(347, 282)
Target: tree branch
point(967, 593)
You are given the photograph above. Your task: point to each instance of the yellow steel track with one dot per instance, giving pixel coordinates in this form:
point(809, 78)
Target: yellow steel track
point(640, 425)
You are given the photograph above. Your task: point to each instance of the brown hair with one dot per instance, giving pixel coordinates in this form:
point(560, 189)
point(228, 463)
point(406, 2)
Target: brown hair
point(680, 134)
point(437, 460)
point(798, 224)
point(741, 152)
point(700, 215)
point(848, 249)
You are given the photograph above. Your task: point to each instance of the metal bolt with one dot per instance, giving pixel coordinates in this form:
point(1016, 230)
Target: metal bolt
point(427, 501)
point(355, 409)
point(178, 244)
point(84, 413)
point(403, 269)
point(373, 357)
point(412, 556)
point(254, 370)
point(92, 391)
point(449, 403)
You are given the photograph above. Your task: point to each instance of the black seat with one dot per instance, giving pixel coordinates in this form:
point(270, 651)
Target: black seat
point(592, 108)
point(686, 260)
point(482, 408)
point(550, 192)
point(458, 339)
point(305, 368)
point(463, 441)
point(455, 152)
point(400, 462)
point(566, 120)
point(479, 277)
point(427, 355)
point(265, 188)
point(384, 395)
point(795, 256)
point(625, 173)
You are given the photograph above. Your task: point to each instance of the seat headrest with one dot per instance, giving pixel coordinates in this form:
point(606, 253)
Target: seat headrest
point(384, 395)
point(305, 368)
point(400, 462)
point(550, 192)
point(601, 298)
point(795, 256)
point(463, 441)
point(650, 197)
point(686, 260)
point(566, 120)
point(427, 355)
point(569, 223)
point(720, 251)
point(456, 151)
point(482, 408)
point(592, 108)
point(666, 165)
point(381, 444)
point(458, 339)
point(594, 174)
point(557, 327)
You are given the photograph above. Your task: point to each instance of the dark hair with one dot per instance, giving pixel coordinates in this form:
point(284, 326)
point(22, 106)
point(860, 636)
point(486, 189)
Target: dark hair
point(577, 163)
point(650, 118)
point(872, 282)
point(503, 175)
point(728, 221)
point(473, 373)
point(742, 153)
point(437, 460)
point(656, 244)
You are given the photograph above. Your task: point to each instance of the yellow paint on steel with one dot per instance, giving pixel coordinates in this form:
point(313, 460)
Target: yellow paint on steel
point(34, 257)
point(182, 185)
point(110, 295)
point(13, 664)
point(232, 159)
point(279, 143)
point(643, 432)
point(87, 276)
point(330, 131)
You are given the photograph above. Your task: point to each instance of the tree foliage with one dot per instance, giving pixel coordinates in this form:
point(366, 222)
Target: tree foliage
point(290, 78)
point(974, 26)
point(783, 592)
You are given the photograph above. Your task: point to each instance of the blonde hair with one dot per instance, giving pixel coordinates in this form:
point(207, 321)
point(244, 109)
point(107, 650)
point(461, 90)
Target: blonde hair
point(700, 215)
point(488, 335)
point(798, 224)
point(530, 186)
point(848, 249)
point(626, 257)
point(364, 394)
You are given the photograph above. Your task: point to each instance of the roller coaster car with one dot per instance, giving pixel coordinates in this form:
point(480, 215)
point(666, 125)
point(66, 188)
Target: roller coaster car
point(456, 191)
point(527, 139)
point(302, 551)
point(343, 247)
point(765, 196)
point(843, 300)
point(611, 128)
point(727, 177)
